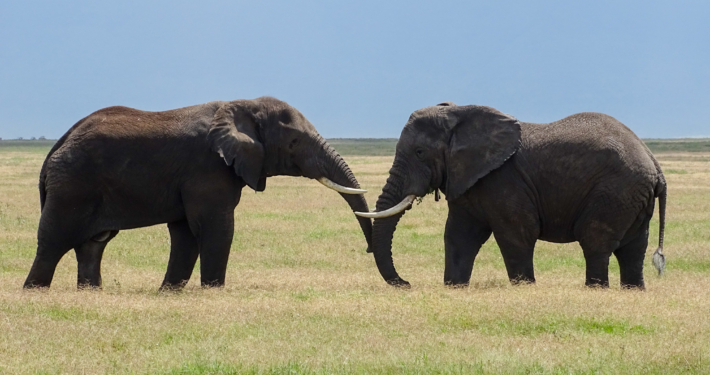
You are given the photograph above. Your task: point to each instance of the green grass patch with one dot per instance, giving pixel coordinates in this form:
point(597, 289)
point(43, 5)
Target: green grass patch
point(364, 146)
point(54, 312)
point(678, 145)
point(689, 265)
point(69, 313)
point(543, 325)
point(27, 145)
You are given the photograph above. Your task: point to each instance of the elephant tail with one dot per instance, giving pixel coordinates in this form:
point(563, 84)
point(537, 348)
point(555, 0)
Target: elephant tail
point(42, 186)
point(43, 173)
point(659, 260)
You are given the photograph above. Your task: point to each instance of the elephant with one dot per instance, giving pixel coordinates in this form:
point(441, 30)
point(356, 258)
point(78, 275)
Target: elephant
point(122, 168)
point(585, 178)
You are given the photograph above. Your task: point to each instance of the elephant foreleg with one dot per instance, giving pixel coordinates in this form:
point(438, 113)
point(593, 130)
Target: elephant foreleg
point(215, 240)
point(463, 239)
point(517, 252)
point(184, 251)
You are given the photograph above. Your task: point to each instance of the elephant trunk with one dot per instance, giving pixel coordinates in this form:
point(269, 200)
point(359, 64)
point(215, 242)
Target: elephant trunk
point(383, 229)
point(335, 169)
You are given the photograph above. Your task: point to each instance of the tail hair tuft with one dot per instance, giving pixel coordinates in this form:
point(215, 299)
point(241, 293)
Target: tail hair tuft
point(659, 261)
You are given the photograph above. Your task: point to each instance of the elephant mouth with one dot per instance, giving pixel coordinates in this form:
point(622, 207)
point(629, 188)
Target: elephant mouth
point(405, 204)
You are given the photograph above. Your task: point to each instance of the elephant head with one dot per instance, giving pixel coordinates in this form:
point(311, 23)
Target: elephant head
point(445, 147)
point(266, 137)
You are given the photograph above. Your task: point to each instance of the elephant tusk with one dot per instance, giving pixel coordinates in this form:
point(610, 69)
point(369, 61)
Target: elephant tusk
point(339, 188)
point(401, 206)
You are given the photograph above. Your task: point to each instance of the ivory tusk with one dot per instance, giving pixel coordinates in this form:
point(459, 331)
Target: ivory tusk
point(401, 206)
point(339, 188)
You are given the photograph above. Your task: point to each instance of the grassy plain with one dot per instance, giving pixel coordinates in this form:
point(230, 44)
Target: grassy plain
point(303, 297)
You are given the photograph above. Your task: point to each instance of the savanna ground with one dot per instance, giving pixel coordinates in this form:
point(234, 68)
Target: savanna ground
point(302, 296)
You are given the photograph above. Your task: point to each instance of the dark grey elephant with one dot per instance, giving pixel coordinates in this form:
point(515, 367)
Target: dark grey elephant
point(121, 168)
point(585, 178)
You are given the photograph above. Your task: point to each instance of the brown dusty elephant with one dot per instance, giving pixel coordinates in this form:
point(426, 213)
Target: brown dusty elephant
point(121, 168)
point(585, 178)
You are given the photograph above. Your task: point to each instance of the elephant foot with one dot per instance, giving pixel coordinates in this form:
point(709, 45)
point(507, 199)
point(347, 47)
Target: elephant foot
point(212, 284)
point(172, 287)
point(596, 283)
point(456, 285)
point(522, 281)
point(35, 286)
point(639, 288)
point(399, 283)
point(89, 287)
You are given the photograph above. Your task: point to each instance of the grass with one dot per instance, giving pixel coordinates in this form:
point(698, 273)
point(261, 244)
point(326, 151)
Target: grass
point(303, 297)
point(679, 145)
point(364, 146)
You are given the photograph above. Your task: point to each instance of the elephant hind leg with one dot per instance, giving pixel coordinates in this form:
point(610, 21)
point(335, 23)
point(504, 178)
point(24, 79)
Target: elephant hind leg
point(597, 244)
point(631, 256)
point(43, 267)
point(88, 257)
point(184, 251)
point(52, 244)
point(601, 230)
point(62, 229)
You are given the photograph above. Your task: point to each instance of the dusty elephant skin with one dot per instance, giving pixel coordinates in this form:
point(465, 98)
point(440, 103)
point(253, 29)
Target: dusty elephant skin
point(121, 168)
point(584, 178)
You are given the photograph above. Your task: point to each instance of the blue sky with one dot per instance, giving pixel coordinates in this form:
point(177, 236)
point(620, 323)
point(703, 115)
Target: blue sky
point(358, 69)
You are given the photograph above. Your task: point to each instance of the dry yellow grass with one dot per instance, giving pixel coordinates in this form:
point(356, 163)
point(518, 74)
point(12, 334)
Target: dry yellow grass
point(302, 296)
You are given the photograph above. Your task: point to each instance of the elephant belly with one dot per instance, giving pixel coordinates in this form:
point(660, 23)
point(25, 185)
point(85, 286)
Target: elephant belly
point(557, 225)
point(558, 234)
point(557, 219)
point(128, 211)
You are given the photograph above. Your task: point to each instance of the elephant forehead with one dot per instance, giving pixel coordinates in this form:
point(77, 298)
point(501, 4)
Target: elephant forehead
point(427, 112)
point(426, 121)
point(423, 132)
point(291, 118)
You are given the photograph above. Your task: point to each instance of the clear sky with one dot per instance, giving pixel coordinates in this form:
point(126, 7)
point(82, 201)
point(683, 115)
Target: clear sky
point(358, 68)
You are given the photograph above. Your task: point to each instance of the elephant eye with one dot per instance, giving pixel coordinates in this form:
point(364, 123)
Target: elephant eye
point(293, 144)
point(420, 153)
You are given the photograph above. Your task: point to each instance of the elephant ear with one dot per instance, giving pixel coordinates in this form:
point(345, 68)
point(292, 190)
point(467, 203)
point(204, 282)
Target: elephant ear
point(234, 134)
point(482, 139)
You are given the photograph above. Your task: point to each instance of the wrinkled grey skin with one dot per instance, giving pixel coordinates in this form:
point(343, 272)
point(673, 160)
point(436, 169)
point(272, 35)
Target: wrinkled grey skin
point(121, 168)
point(585, 178)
